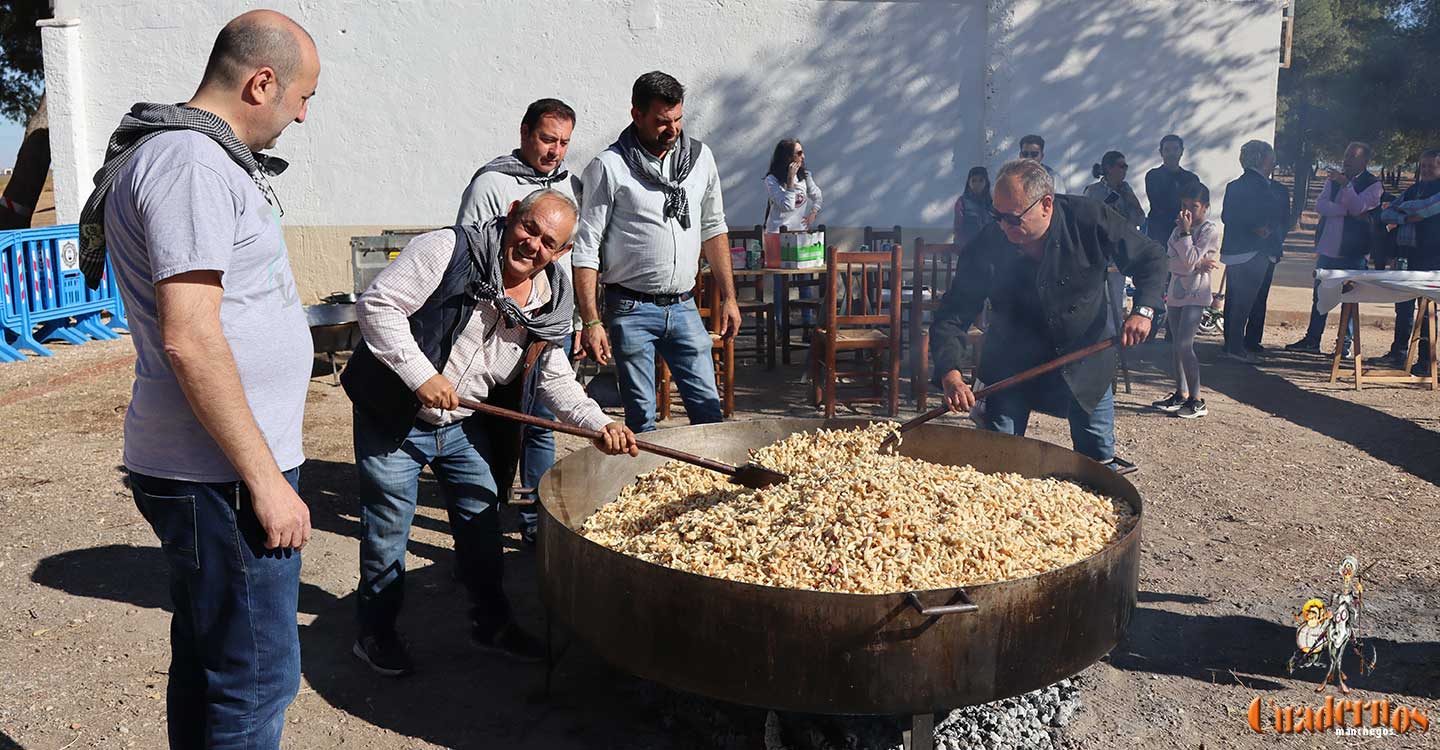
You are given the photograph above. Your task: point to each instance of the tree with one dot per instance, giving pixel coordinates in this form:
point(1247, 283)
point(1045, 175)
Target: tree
point(22, 72)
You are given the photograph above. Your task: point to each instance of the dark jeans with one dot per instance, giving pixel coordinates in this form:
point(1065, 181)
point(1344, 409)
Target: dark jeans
point(1317, 319)
point(1255, 328)
point(1405, 316)
point(538, 446)
point(1242, 291)
point(234, 644)
point(458, 454)
point(1092, 433)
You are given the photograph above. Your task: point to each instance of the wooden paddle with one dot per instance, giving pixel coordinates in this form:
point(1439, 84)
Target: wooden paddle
point(1016, 379)
point(749, 475)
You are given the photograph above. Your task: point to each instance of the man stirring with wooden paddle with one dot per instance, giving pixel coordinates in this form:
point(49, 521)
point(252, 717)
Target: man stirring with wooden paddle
point(1042, 266)
point(463, 313)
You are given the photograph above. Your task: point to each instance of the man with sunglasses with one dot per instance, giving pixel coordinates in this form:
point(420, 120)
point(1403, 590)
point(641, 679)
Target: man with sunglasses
point(1033, 147)
point(1042, 267)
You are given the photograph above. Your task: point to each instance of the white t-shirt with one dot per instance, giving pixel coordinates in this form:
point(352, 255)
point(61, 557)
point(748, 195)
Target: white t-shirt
point(789, 207)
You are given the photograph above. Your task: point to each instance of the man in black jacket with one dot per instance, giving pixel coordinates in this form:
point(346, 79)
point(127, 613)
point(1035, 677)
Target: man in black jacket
point(1042, 266)
point(1249, 251)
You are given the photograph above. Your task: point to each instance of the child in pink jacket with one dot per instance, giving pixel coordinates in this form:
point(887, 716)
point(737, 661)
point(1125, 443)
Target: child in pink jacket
point(1194, 251)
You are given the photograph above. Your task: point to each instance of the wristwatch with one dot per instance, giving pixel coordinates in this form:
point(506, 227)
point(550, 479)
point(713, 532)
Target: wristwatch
point(1144, 312)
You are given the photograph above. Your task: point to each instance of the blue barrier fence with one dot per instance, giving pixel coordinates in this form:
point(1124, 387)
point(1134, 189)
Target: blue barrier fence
point(45, 297)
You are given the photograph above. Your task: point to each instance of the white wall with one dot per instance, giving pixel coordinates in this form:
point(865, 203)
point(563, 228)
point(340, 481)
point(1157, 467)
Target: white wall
point(894, 100)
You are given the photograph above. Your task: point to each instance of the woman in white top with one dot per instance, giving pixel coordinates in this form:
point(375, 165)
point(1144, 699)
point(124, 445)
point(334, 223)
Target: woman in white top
point(794, 198)
point(1111, 188)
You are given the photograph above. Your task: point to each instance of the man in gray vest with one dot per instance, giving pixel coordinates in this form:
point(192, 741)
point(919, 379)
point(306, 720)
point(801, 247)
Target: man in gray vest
point(464, 312)
point(538, 163)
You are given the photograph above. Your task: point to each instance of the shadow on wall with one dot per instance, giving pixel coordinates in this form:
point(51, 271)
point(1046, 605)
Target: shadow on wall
point(892, 106)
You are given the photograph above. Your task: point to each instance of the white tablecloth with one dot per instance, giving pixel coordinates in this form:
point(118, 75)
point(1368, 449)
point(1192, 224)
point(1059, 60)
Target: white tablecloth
point(1375, 286)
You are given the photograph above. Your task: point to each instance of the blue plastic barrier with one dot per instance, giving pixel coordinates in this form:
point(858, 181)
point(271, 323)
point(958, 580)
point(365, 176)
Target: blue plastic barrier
point(45, 297)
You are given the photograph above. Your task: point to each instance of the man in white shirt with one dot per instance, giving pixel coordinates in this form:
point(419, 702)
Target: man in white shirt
point(538, 163)
point(462, 313)
point(652, 207)
point(1033, 147)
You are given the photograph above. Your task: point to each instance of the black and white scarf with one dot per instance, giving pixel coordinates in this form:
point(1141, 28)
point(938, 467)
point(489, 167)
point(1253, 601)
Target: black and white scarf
point(511, 164)
point(553, 321)
point(143, 122)
point(683, 157)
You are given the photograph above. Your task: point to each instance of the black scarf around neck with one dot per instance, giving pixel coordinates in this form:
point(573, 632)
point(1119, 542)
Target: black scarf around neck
point(143, 122)
point(551, 322)
point(683, 156)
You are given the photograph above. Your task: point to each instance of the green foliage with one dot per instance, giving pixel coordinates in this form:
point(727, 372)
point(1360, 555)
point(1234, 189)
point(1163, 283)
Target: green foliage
point(21, 68)
point(1360, 71)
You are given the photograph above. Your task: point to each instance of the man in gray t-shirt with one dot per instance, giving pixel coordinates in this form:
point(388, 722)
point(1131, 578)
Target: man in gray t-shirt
point(182, 206)
point(223, 357)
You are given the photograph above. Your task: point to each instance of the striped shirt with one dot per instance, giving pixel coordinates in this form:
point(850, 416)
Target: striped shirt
point(623, 229)
point(487, 351)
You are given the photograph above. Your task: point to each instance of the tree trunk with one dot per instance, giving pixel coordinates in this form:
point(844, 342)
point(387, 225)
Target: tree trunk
point(32, 166)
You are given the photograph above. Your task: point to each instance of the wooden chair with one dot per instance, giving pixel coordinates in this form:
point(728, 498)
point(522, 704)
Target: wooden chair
point(859, 317)
point(762, 312)
point(808, 307)
point(932, 269)
point(721, 349)
point(873, 236)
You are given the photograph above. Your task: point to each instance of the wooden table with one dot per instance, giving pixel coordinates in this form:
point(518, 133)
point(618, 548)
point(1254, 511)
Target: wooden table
point(779, 292)
point(1425, 309)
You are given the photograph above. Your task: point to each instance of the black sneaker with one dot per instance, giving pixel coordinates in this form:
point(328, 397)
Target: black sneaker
point(1193, 409)
point(1303, 345)
point(1391, 361)
point(1256, 348)
point(386, 654)
point(1170, 404)
point(509, 641)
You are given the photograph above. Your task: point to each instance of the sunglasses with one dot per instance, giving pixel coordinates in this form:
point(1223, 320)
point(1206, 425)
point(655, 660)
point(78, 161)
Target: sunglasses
point(1029, 154)
point(1013, 219)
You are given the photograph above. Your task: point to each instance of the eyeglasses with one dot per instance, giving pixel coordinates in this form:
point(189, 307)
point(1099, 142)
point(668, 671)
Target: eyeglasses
point(1013, 219)
point(1030, 154)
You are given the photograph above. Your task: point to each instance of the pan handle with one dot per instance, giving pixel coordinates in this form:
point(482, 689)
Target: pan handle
point(964, 606)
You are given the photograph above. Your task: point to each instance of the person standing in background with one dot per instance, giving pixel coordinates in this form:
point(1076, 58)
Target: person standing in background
point(1343, 238)
point(794, 198)
point(539, 163)
point(1111, 188)
point(1274, 247)
point(972, 208)
point(653, 207)
point(1032, 146)
point(1162, 188)
point(1249, 214)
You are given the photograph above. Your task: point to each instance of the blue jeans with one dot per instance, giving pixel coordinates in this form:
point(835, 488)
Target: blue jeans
point(639, 330)
point(1317, 319)
point(538, 444)
point(234, 644)
point(1092, 433)
point(458, 454)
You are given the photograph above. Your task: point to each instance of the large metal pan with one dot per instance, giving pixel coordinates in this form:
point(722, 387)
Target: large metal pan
point(833, 653)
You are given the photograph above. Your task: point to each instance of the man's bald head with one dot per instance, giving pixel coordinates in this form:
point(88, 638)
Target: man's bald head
point(254, 40)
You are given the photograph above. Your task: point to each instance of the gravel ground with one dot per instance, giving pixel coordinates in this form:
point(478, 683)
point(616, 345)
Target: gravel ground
point(1248, 512)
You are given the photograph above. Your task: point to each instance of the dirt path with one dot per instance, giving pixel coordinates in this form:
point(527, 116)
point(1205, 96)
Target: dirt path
point(1249, 511)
